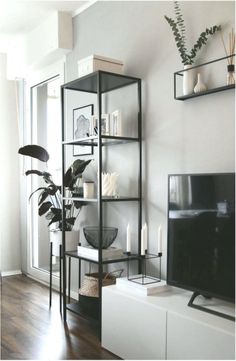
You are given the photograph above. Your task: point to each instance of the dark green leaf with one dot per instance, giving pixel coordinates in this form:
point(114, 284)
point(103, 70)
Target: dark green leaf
point(71, 220)
point(35, 151)
point(56, 211)
point(39, 189)
point(33, 171)
point(42, 197)
point(56, 218)
point(44, 208)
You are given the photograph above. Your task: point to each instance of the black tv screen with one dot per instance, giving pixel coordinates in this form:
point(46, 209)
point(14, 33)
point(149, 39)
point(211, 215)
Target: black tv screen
point(201, 234)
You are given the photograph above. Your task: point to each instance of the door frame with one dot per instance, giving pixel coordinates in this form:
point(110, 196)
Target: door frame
point(34, 78)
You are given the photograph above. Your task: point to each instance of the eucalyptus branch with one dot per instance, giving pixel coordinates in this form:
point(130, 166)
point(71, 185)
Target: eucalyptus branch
point(178, 29)
point(180, 43)
point(202, 40)
point(180, 22)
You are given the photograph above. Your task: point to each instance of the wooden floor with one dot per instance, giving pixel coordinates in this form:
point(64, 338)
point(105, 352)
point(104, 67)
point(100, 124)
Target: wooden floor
point(30, 331)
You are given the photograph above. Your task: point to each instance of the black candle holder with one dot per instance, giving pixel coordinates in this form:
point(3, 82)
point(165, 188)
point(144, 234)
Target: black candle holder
point(144, 279)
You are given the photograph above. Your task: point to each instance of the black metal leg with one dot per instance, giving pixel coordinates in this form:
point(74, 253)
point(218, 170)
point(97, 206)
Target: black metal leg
point(60, 279)
point(69, 278)
point(50, 275)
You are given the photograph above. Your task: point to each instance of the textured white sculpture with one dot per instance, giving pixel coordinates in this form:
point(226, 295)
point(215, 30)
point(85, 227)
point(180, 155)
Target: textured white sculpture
point(200, 86)
point(109, 184)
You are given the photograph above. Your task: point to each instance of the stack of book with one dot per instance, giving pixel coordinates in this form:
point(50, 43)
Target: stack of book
point(92, 253)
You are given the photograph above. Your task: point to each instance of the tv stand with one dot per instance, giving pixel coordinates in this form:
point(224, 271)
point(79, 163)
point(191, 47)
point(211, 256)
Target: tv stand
point(163, 327)
point(205, 309)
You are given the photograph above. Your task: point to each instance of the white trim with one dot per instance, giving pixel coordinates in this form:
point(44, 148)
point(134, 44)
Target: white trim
point(83, 7)
point(73, 294)
point(11, 273)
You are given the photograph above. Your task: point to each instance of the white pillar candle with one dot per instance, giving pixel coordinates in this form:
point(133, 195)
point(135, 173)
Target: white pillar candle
point(128, 239)
point(145, 236)
point(159, 240)
point(142, 241)
point(88, 189)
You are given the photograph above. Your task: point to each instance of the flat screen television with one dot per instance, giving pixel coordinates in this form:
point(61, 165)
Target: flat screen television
point(201, 234)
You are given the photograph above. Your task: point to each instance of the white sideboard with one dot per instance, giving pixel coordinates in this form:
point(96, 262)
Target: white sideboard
point(162, 327)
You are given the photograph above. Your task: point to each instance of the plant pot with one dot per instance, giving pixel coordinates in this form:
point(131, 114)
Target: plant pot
point(188, 80)
point(71, 241)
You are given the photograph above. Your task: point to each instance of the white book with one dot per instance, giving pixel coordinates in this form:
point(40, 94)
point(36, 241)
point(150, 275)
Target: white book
point(146, 289)
point(92, 253)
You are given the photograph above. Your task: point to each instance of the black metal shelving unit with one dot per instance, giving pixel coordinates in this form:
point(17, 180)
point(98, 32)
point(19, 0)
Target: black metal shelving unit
point(209, 91)
point(98, 83)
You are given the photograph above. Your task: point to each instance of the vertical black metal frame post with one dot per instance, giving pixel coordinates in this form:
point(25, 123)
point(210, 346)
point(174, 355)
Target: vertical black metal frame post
point(50, 276)
point(63, 206)
point(60, 278)
point(100, 206)
point(140, 170)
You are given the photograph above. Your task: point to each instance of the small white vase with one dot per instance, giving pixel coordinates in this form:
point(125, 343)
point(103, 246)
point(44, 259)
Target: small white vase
point(200, 86)
point(188, 80)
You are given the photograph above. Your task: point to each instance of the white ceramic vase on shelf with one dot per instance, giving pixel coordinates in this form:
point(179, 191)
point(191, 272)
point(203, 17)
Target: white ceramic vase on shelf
point(200, 86)
point(188, 80)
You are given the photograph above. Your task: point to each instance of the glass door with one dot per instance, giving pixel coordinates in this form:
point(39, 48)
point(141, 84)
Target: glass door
point(44, 121)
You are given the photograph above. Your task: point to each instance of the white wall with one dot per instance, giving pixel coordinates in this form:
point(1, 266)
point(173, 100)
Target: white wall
point(179, 137)
point(9, 185)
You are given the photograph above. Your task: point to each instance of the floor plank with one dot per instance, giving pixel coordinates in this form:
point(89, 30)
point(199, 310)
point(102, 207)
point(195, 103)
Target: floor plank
point(30, 331)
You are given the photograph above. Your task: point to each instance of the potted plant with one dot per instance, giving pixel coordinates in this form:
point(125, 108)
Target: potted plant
point(187, 56)
point(50, 197)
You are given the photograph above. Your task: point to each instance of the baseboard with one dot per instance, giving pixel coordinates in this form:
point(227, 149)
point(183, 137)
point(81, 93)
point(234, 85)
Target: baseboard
point(11, 273)
point(73, 294)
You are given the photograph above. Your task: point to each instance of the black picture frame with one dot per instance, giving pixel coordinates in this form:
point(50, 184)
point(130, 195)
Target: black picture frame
point(81, 128)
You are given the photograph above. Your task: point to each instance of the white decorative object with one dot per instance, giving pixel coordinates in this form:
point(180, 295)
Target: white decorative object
point(128, 239)
point(145, 236)
point(109, 184)
point(143, 239)
point(71, 240)
point(105, 124)
point(159, 240)
point(188, 80)
point(116, 123)
point(88, 188)
point(96, 62)
point(200, 86)
point(143, 289)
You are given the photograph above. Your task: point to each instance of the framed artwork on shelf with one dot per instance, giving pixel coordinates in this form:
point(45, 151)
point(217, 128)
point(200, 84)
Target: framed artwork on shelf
point(105, 125)
point(81, 128)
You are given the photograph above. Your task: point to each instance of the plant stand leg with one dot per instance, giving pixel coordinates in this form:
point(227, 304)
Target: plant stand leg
point(50, 280)
point(69, 278)
point(60, 279)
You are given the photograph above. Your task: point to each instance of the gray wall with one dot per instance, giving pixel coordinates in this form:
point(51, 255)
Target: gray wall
point(179, 137)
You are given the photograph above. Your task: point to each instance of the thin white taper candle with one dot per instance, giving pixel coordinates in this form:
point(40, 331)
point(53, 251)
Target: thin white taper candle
point(128, 239)
point(159, 240)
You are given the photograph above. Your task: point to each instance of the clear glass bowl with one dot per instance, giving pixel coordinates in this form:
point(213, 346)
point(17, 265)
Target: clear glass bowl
point(108, 236)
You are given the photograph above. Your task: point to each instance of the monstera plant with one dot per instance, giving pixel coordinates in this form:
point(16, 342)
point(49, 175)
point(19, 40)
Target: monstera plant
point(50, 195)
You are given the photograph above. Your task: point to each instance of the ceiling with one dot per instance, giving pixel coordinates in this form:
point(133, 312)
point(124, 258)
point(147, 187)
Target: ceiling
point(21, 16)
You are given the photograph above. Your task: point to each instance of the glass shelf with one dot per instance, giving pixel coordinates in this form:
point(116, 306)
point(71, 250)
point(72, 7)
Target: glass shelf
point(104, 199)
point(106, 140)
point(109, 81)
point(116, 259)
